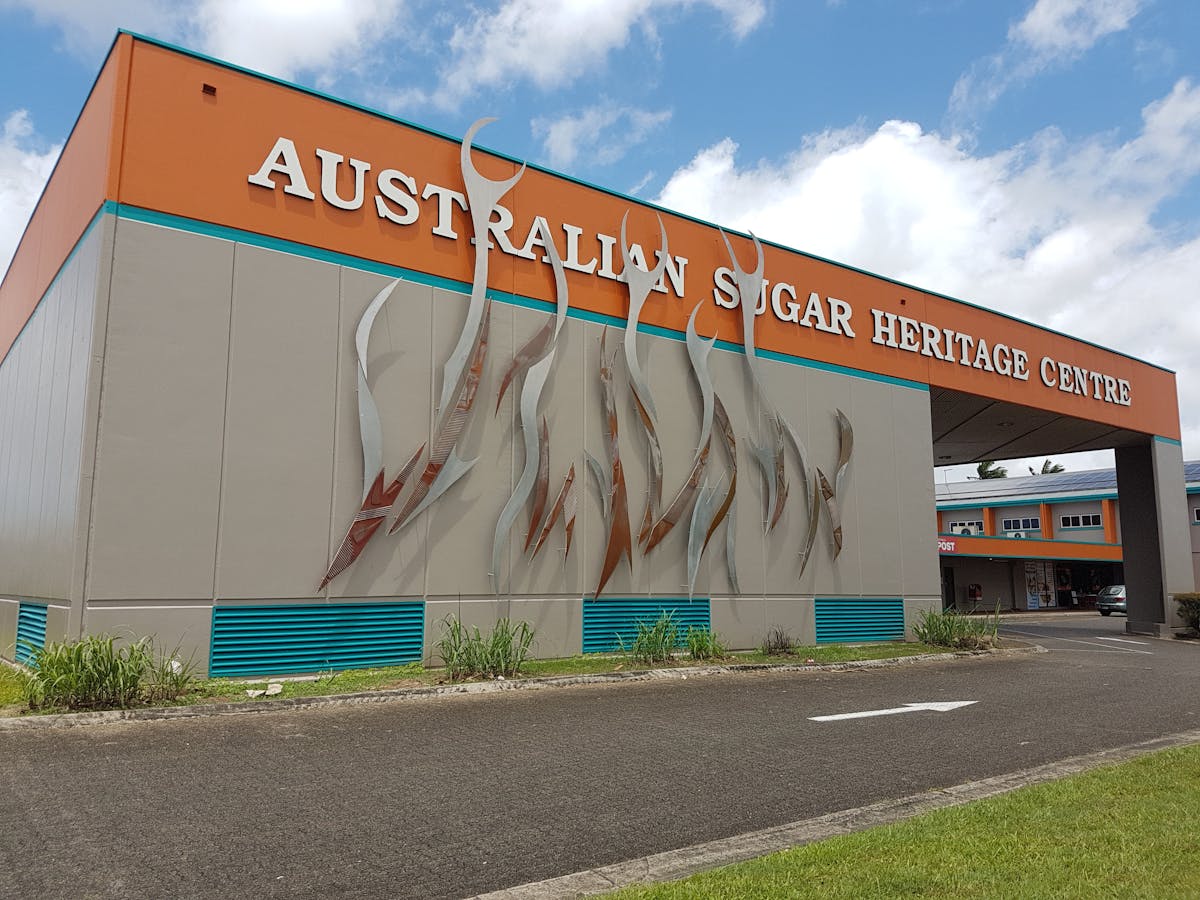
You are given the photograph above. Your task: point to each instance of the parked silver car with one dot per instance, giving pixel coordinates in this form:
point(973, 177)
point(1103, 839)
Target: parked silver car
point(1111, 600)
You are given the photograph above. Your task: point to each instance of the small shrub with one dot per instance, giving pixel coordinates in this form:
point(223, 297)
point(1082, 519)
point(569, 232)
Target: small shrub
point(654, 643)
point(469, 654)
point(95, 673)
point(703, 643)
point(1189, 609)
point(948, 628)
point(778, 643)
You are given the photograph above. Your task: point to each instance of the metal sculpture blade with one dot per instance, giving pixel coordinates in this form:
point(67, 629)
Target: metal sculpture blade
point(534, 380)
point(835, 517)
point(640, 282)
point(372, 514)
point(603, 484)
point(729, 505)
point(376, 499)
point(698, 350)
point(620, 538)
point(845, 451)
point(445, 466)
point(702, 516)
point(812, 500)
point(482, 196)
point(535, 472)
point(565, 499)
point(541, 484)
point(768, 454)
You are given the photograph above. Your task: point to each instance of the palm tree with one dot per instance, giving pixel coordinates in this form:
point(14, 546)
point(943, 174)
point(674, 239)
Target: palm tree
point(989, 469)
point(1048, 468)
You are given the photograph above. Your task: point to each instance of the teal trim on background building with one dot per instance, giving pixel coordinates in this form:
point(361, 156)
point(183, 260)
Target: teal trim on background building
point(279, 640)
point(31, 630)
point(1048, 500)
point(848, 620)
point(613, 621)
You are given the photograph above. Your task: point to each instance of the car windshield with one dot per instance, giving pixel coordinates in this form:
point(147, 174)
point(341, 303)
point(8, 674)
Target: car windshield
point(1115, 590)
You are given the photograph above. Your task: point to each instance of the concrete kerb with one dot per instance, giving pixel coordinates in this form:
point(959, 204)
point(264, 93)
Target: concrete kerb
point(676, 864)
point(247, 707)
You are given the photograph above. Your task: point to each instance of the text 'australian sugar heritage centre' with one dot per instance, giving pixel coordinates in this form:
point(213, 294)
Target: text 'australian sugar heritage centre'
point(267, 395)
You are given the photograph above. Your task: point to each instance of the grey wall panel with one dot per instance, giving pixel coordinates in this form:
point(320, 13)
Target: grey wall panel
point(278, 454)
point(399, 365)
point(952, 516)
point(472, 612)
point(182, 631)
point(916, 514)
point(739, 622)
point(871, 488)
point(1081, 507)
point(558, 624)
point(913, 608)
point(154, 514)
point(795, 615)
point(39, 459)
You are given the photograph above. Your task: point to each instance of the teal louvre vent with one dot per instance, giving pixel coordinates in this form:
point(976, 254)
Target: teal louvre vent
point(31, 630)
point(604, 621)
point(845, 620)
point(264, 640)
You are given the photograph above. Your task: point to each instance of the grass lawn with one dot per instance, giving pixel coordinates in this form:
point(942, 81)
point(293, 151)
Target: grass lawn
point(217, 690)
point(10, 690)
point(1130, 830)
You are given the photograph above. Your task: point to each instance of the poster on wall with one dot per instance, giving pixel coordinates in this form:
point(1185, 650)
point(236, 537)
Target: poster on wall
point(1033, 596)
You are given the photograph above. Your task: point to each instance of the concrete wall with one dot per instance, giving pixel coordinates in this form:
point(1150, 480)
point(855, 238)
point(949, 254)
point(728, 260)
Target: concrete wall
point(961, 515)
point(229, 465)
point(45, 453)
point(1031, 511)
point(1193, 508)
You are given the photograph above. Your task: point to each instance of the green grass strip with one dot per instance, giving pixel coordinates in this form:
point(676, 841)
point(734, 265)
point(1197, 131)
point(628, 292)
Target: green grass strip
point(1129, 830)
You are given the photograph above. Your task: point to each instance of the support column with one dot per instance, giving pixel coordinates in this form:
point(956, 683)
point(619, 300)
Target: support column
point(1155, 536)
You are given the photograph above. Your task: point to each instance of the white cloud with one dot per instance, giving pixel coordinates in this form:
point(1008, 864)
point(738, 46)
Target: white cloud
point(604, 132)
point(1055, 27)
point(1053, 231)
point(279, 37)
point(553, 43)
point(24, 167)
point(1053, 32)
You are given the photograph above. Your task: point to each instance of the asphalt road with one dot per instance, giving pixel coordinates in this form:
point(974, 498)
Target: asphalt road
point(460, 795)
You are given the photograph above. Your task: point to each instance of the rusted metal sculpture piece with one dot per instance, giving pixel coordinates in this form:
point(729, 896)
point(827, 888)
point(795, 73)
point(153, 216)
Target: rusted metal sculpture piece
point(445, 466)
point(620, 538)
point(831, 507)
point(640, 282)
point(565, 505)
point(373, 513)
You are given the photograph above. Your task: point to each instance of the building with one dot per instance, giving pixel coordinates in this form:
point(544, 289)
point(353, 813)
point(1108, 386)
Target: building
point(286, 382)
point(1039, 542)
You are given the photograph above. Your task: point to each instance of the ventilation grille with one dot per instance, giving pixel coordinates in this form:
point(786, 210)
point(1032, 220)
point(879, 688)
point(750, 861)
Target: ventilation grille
point(606, 621)
point(31, 627)
point(263, 640)
point(852, 620)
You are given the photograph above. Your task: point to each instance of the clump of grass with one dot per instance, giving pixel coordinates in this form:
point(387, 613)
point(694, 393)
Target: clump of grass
point(653, 643)
point(948, 628)
point(469, 654)
point(96, 673)
point(778, 643)
point(703, 643)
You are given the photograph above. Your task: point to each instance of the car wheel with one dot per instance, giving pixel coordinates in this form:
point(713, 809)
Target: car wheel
point(1106, 612)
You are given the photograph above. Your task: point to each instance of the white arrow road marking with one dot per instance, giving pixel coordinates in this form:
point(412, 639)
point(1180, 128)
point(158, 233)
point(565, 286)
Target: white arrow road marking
point(906, 708)
point(1122, 641)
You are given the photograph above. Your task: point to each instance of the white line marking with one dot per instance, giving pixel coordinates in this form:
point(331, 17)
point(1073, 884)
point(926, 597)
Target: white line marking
point(895, 711)
point(1088, 643)
point(1123, 641)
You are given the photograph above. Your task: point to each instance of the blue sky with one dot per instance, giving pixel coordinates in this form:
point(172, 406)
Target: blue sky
point(1037, 156)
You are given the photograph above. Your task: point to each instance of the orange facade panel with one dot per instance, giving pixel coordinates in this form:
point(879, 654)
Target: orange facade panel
point(194, 132)
point(83, 178)
point(1013, 548)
